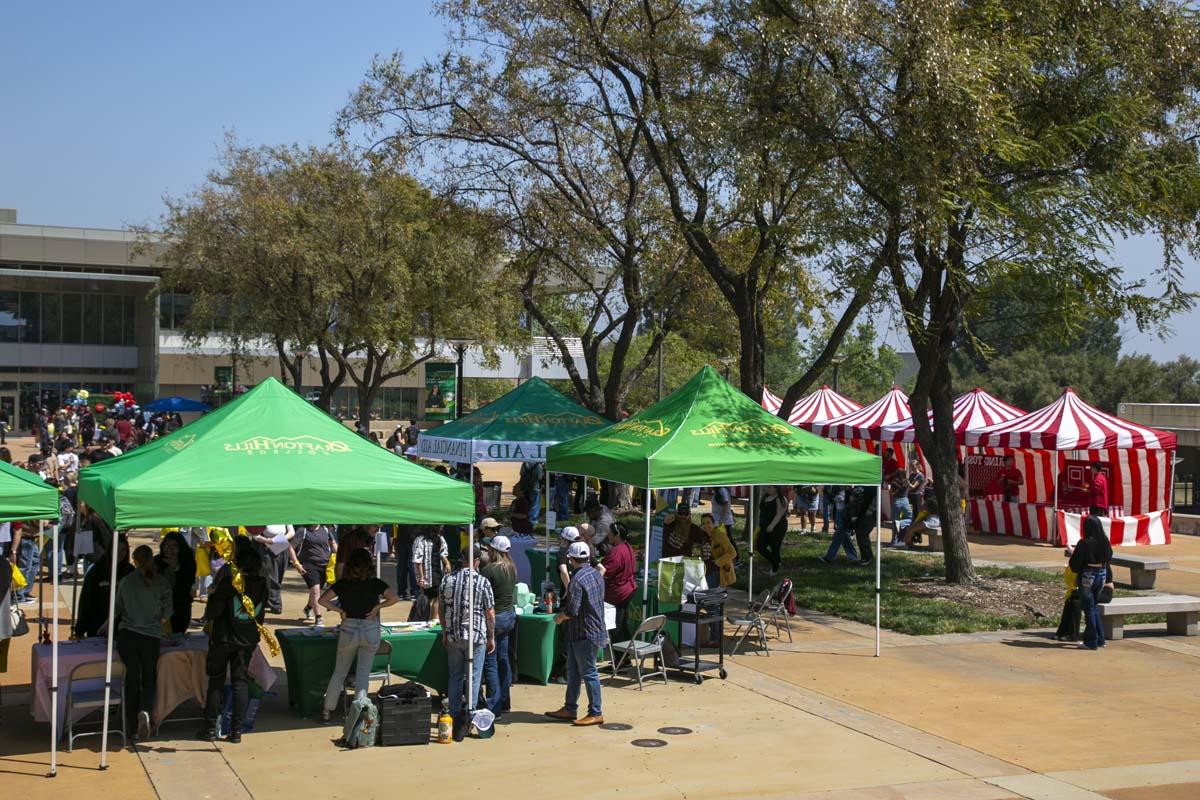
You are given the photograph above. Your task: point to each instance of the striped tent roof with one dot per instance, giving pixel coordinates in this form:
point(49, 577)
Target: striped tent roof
point(975, 409)
point(1070, 424)
point(819, 406)
point(868, 422)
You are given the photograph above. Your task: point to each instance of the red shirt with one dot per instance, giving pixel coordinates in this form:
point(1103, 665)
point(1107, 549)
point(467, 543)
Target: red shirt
point(620, 574)
point(1099, 491)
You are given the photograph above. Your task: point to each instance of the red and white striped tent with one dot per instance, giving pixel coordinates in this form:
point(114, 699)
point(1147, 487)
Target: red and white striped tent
point(1139, 459)
point(975, 409)
point(866, 423)
point(819, 406)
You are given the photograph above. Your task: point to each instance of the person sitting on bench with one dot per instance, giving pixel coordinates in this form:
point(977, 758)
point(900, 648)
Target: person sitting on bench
point(927, 521)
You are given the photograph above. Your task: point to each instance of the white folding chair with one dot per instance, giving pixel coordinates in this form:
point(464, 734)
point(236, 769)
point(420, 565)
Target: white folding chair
point(646, 643)
point(753, 621)
point(88, 700)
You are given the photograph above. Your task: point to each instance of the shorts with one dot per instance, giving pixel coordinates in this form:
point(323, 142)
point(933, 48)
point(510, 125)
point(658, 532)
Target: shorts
point(431, 592)
point(804, 505)
point(314, 575)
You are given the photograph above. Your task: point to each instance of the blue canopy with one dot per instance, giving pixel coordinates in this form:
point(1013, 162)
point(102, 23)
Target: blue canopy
point(175, 403)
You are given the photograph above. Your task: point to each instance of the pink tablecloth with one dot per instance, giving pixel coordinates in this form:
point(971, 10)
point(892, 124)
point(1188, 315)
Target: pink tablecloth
point(181, 674)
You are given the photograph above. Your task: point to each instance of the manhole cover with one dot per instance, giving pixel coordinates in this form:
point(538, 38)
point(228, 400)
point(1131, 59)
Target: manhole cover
point(615, 726)
point(670, 731)
point(649, 743)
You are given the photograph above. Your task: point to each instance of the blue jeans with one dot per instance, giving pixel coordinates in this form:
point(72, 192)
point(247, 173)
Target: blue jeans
point(358, 639)
point(535, 503)
point(669, 497)
point(406, 571)
point(842, 538)
point(29, 561)
point(900, 504)
point(581, 668)
point(562, 497)
point(1091, 581)
point(456, 688)
point(693, 497)
point(497, 669)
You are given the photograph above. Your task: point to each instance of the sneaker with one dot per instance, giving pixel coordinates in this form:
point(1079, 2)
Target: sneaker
point(866, 562)
point(562, 713)
point(143, 728)
point(598, 719)
point(824, 560)
point(319, 622)
point(235, 737)
point(307, 613)
point(26, 601)
point(207, 734)
point(1086, 646)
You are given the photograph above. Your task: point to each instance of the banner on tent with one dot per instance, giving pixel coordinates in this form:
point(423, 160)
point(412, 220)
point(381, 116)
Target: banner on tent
point(464, 450)
point(1142, 529)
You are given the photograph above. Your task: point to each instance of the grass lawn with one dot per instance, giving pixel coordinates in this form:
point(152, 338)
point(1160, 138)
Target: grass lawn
point(848, 591)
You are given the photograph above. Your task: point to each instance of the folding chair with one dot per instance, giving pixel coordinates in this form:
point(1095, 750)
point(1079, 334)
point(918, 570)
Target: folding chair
point(775, 609)
point(646, 643)
point(753, 621)
point(89, 700)
point(384, 674)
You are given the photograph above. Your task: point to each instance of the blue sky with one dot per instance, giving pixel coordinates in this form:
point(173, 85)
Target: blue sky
point(117, 104)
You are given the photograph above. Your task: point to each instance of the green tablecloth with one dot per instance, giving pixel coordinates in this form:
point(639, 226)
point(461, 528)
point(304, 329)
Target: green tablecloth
point(537, 646)
point(309, 660)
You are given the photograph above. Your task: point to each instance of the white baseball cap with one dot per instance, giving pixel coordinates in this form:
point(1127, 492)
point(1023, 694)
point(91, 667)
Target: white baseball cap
point(579, 550)
point(500, 544)
point(570, 533)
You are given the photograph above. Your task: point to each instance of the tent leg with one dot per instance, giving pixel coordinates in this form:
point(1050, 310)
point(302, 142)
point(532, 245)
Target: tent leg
point(750, 512)
point(41, 581)
point(470, 619)
point(646, 559)
point(557, 522)
point(115, 549)
point(54, 566)
point(878, 561)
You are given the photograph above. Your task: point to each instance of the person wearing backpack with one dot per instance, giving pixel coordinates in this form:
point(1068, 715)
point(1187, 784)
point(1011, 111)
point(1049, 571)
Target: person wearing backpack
point(360, 598)
point(232, 639)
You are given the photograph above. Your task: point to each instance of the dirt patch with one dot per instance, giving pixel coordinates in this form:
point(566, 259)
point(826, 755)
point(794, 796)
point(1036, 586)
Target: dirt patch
point(1007, 597)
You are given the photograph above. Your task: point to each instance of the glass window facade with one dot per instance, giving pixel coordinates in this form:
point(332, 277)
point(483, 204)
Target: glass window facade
point(390, 403)
point(173, 310)
point(68, 318)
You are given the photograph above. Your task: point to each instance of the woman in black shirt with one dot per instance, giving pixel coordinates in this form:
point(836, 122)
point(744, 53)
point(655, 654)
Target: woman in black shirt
point(177, 561)
point(1090, 560)
point(360, 596)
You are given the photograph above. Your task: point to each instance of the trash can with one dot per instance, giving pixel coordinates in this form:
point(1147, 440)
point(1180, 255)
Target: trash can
point(491, 494)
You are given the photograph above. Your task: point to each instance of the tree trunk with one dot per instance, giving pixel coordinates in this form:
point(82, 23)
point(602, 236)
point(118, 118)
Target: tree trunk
point(366, 398)
point(940, 447)
point(752, 341)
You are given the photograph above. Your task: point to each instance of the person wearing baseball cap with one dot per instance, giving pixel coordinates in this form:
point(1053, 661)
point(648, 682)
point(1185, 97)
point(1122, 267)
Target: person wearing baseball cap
point(489, 524)
point(501, 573)
point(583, 615)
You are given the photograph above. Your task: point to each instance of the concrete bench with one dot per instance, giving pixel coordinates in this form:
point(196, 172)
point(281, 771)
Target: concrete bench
point(1183, 613)
point(1142, 569)
point(931, 541)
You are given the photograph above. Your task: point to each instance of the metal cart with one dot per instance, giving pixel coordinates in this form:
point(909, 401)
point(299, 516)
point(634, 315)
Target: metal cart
point(710, 610)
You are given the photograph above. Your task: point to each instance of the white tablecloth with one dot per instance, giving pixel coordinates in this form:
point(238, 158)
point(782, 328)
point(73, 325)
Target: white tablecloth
point(181, 674)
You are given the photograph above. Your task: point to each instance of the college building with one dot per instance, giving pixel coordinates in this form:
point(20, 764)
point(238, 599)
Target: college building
point(79, 309)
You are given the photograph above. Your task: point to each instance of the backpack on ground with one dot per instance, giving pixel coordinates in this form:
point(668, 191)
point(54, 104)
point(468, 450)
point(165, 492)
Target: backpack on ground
point(362, 724)
point(420, 608)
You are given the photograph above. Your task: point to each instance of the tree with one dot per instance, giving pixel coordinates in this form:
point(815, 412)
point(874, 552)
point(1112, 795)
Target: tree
point(349, 259)
point(868, 371)
point(985, 142)
point(549, 150)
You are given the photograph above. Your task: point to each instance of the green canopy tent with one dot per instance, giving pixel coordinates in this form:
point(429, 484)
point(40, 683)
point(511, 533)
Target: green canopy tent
point(266, 457)
point(516, 427)
point(710, 434)
point(25, 496)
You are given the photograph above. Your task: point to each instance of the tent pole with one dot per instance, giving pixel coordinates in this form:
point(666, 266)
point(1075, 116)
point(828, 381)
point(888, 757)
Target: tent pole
point(41, 581)
point(114, 553)
point(54, 659)
point(750, 512)
point(1054, 513)
point(1170, 487)
point(470, 617)
point(75, 571)
point(557, 522)
point(646, 557)
point(878, 559)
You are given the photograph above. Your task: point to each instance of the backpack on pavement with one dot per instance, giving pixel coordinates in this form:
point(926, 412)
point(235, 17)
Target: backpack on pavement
point(362, 724)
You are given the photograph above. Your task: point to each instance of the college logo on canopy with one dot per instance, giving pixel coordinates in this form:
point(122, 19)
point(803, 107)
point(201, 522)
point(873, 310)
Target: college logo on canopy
point(181, 442)
point(286, 445)
point(644, 427)
point(747, 429)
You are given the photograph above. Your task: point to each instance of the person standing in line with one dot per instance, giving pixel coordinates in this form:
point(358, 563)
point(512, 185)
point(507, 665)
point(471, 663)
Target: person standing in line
point(360, 598)
point(583, 613)
point(406, 573)
point(1098, 492)
point(232, 639)
point(722, 507)
point(430, 558)
point(620, 577)
point(562, 497)
point(773, 521)
point(467, 613)
point(143, 611)
point(274, 559)
point(1090, 560)
point(311, 560)
point(501, 573)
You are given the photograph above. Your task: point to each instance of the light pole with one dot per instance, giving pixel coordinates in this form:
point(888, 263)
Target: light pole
point(460, 346)
point(837, 362)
